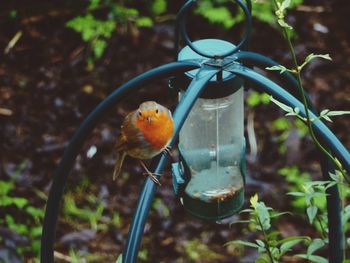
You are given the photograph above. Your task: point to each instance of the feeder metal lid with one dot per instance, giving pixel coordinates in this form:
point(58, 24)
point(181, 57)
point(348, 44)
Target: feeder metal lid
point(229, 84)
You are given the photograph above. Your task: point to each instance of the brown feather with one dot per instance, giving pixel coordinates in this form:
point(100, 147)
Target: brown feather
point(118, 164)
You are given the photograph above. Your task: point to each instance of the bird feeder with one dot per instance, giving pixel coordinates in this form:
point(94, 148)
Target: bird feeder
point(209, 178)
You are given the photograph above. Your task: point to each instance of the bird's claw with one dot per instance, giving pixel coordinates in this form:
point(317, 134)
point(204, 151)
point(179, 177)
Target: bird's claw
point(153, 177)
point(167, 150)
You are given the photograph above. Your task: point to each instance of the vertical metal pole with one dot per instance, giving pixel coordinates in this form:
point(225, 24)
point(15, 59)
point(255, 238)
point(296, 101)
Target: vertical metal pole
point(335, 235)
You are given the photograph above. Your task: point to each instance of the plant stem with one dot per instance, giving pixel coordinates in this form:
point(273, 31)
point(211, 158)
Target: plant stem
point(309, 121)
point(266, 240)
point(306, 106)
point(324, 234)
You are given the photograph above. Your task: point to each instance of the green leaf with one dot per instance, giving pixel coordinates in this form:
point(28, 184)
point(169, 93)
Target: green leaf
point(285, 4)
point(161, 207)
point(280, 68)
point(313, 258)
point(158, 7)
point(311, 213)
point(283, 106)
point(143, 254)
point(337, 177)
point(274, 215)
point(316, 244)
point(241, 242)
point(287, 239)
point(272, 236)
point(260, 243)
point(254, 200)
point(90, 28)
point(255, 98)
point(312, 56)
point(323, 114)
point(284, 24)
point(296, 194)
point(19, 202)
point(144, 21)
point(337, 113)
point(287, 245)
point(219, 15)
point(275, 252)
point(35, 212)
point(248, 210)
point(5, 188)
point(36, 231)
point(281, 124)
point(264, 215)
point(263, 259)
point(295, 112)
point(99, 47)
point(93, 4)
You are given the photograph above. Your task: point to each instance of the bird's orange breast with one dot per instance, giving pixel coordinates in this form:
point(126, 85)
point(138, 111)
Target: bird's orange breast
point(159, 131)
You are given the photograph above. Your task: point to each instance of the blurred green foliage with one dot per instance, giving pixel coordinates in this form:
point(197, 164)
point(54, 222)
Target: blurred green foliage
point(219, 12)
point(119, 16)
point(196, 251)
point(126, 17)
point(93, 31)
point(296, 181)
point(271, 248)
point(284, 126)
point(280, 126)
point(25, 218)
point(256, 98)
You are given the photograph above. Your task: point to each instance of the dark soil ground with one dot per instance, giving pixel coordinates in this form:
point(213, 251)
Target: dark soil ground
point(46, 92)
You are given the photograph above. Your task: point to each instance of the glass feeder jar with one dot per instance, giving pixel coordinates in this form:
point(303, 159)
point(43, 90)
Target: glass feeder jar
point(211, 142)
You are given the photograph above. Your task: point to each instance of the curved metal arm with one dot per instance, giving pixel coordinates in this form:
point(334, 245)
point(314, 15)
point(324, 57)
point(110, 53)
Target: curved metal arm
point(277, 91)
point(330, 141)
point(147, 194)
point(62, 171)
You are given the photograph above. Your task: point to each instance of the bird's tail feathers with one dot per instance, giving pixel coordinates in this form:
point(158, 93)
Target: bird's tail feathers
point(118, 164)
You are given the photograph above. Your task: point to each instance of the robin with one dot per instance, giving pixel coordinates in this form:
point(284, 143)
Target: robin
point(145, 133)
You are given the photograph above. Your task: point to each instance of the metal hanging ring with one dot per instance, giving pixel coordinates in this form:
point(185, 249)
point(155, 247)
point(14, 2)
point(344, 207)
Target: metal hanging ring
point(181, 20)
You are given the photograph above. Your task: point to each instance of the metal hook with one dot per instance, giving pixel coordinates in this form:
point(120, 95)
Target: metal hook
point(181, 29)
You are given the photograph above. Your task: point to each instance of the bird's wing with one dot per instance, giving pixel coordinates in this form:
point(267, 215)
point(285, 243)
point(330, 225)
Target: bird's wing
point(130, 136)
point(118, 164)
point(121, 144)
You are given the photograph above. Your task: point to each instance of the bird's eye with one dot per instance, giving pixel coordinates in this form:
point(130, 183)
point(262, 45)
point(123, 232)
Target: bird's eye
point(140, 113)
point(157, 110)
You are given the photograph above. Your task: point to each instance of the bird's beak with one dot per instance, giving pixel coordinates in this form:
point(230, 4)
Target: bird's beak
point(149, 119)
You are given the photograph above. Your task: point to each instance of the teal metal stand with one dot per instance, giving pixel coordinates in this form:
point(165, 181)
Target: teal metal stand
point(232, 61)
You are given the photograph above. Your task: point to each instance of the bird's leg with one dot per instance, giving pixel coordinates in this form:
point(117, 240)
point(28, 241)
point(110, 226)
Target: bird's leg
point(167, 150)
point(153, 176)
